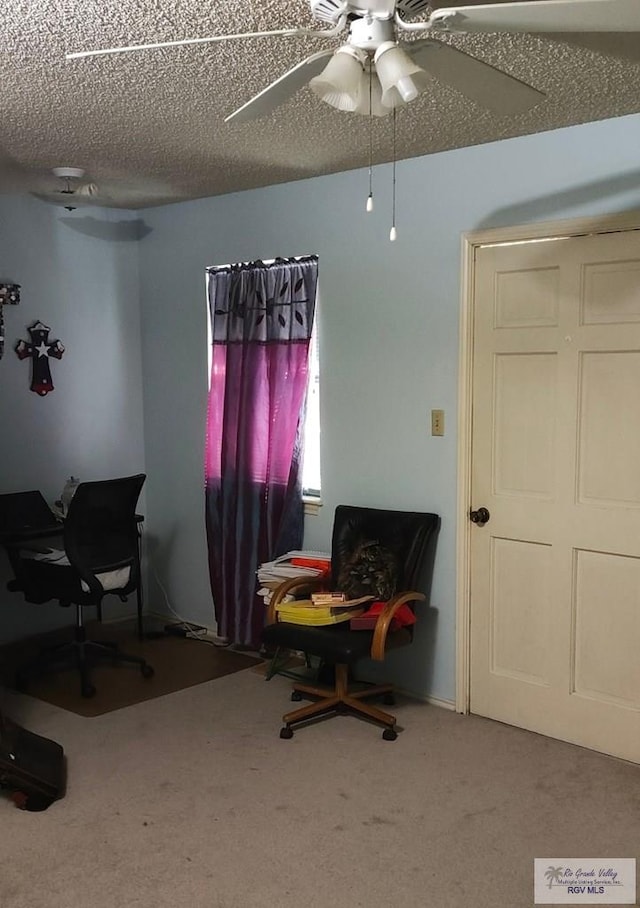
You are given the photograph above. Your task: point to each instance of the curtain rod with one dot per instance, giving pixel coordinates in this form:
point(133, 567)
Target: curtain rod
point(260, 263)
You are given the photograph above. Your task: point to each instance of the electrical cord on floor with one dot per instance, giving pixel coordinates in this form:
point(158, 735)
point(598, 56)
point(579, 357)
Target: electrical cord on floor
point(189, 632)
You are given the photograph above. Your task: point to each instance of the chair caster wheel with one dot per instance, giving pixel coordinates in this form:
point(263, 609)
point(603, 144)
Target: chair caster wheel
point(296, 695)
point(389, 699)
point(33, 802)
point(286, 732)
point(147, 671)
point(88, 691)
point(389, 734)
point(20, 799)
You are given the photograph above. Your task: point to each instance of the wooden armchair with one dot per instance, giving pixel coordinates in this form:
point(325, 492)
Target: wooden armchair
point(411, 537)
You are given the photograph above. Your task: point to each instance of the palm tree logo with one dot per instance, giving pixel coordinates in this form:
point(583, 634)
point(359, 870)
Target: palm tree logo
point(554, 875)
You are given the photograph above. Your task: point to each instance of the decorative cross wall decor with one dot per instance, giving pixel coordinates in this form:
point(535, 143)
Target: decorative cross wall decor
point(9, 296)
point(40, 348)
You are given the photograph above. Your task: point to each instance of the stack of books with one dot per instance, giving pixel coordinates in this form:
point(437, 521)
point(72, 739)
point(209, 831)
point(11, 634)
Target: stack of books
point(322, 608)
point(293, 564)
point(328, 597)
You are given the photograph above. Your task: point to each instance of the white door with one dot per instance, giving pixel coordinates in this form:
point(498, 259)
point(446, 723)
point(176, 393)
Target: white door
point(555, 572)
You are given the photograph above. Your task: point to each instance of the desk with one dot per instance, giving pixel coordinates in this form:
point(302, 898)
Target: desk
point(26, 517)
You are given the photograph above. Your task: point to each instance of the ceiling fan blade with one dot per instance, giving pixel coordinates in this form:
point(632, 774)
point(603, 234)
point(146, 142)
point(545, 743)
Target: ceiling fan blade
point(282, 32)
point(488, 86)
point(282, 89)
point(549, 16)
point(75, 200)
point(12, 174)
point(623, 45)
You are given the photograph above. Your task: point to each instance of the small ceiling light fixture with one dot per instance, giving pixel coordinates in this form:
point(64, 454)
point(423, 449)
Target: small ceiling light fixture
point(401, 79)
point(71, 177)
point(340, 82)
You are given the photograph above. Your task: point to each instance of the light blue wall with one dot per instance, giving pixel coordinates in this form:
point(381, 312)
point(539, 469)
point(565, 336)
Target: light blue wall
point(388, 334)
point(389, 339)
point(79, 275)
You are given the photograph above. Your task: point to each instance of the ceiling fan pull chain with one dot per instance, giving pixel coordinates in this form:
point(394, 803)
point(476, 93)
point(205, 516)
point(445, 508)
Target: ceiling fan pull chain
point(393, 232)
point(370, 196)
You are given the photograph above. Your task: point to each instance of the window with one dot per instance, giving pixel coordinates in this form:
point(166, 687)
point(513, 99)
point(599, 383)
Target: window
point(311, 463)
point(311, 439)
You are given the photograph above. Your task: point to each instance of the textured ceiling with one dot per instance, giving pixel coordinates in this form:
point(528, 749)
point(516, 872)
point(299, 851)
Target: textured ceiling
point(149, 127)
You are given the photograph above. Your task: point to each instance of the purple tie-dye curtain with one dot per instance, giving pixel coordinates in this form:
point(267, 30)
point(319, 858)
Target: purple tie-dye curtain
point(261, 318)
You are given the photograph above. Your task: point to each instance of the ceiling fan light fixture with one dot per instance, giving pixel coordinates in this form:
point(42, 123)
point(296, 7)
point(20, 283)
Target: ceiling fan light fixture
point(371, 96)
point(340, 84)
point(68, 173)
point(401, 79)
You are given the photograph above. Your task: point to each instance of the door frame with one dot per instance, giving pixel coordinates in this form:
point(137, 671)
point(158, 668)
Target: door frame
point(545, 231)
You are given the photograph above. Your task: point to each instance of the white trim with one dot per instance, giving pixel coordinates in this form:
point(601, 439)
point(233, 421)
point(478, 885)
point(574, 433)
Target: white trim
point(311, 505)
point(463, 531)
point(554, 229)
point(443, 704)
point(425, 698)
point(547, 230)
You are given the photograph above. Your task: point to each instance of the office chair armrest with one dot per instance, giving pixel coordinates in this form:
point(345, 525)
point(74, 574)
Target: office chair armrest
point(384, 621)
point(294, 585)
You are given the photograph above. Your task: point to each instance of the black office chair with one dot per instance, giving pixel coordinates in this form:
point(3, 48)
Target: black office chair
point(410, 538)
point(102, 558)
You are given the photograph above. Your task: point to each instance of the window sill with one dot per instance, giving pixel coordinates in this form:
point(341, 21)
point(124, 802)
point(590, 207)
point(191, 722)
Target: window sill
point(311, 506)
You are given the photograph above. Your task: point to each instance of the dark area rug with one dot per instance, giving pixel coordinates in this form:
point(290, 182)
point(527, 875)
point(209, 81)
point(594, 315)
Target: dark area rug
point(178, 662)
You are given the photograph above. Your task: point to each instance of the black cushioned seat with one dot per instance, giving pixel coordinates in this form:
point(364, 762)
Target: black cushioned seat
point(334, 643)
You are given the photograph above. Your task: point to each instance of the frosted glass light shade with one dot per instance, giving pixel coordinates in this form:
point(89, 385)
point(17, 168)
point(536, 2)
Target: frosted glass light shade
point(377, 107)
point(401, 79)
point(340, 82)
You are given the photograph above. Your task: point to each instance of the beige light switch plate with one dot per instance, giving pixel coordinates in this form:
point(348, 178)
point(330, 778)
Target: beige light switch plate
point(437, 422)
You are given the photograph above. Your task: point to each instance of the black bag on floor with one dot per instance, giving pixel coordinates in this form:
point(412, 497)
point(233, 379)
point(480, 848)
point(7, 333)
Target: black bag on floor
point(33, 768)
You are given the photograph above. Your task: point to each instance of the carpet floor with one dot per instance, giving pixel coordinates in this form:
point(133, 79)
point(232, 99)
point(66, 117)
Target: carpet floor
point(193, 801)
point(178, 663)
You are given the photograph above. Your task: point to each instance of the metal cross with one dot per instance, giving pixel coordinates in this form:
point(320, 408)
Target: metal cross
point(40, 348)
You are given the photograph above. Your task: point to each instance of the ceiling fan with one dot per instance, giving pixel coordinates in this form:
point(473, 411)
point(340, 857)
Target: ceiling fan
point(70, 189)
point(375, 71)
